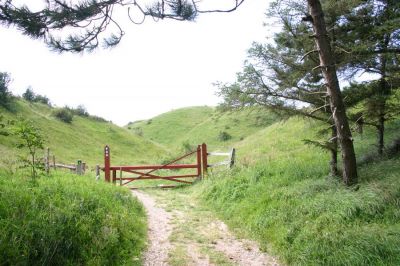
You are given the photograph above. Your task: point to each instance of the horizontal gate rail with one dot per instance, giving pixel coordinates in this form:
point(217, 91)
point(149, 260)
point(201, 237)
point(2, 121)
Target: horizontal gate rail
point(147, 172)
point(155, 167)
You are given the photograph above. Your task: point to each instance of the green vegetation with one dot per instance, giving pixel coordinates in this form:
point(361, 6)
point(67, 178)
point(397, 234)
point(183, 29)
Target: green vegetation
point(68, 220)
point(5, 94)
point(31, 139)
point(195, 125)
point(280, 194)
point(64, 115)
point(84, 138)
point(169, 127)
point(64, 219)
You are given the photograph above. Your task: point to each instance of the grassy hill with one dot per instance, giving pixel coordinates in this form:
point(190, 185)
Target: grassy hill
point(190, 126)
point(83, 139)
point(280, 193)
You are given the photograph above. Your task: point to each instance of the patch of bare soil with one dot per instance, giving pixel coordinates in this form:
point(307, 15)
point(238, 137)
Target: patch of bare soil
point(240, 251)
point(159, 230)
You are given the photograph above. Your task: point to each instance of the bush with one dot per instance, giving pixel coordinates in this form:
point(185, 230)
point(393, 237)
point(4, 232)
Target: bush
point(98, 118)
point(30, 96)
point(69, 220)
point(42, 99)
point(138, 131)
point(80, 111)
point(63, 114)
point(5, 94)
point(224, 136)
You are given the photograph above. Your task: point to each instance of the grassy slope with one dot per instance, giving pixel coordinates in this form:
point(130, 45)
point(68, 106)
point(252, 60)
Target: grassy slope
point(280, 194)
point(195, 125)
point(66, 219)
point(82, 139)
point(284, 199)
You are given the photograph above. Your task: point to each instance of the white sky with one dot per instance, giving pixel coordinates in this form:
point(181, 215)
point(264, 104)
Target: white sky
point(156, 68)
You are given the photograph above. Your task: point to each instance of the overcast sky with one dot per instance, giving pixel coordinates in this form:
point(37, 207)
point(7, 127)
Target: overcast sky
point(156, 68)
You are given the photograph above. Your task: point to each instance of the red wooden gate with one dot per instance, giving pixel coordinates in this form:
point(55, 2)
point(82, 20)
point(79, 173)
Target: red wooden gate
point(144, 172)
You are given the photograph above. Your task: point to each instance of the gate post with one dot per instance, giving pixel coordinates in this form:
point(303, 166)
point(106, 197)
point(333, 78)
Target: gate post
point(199, 161)
point(114, 176)
point(204, 159)
point(107, 163)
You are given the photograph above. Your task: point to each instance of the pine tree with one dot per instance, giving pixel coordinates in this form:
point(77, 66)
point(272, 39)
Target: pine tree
point(92, 22)
point(369, 43)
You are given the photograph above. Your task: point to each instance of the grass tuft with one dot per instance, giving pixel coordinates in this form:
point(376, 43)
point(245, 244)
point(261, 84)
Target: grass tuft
point(68, 220)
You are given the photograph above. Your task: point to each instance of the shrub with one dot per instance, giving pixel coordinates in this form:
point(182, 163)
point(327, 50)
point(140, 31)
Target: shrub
point(29, 95)
point(97, 118)
point(224, 136)
point(30, 139)
point(80, 111)
point(5, 94)
point(138, 131)
point(63, 114)
point(42, 99)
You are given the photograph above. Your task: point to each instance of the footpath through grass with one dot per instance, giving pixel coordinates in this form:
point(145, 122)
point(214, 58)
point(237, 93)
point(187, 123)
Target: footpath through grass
point(69, 220)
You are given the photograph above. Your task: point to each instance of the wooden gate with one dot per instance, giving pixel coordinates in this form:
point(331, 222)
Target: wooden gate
point(146, 172)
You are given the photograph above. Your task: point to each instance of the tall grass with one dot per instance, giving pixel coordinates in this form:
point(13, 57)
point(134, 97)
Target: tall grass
point(285, 199)
point(68, 220)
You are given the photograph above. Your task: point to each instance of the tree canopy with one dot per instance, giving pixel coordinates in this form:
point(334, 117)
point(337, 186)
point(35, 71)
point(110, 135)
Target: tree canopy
point(91, 23)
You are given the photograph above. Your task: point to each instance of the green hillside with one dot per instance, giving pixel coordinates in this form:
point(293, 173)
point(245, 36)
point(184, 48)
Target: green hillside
point(62, 218)
point(280, 193)
point(195, 125)
point(83, 139)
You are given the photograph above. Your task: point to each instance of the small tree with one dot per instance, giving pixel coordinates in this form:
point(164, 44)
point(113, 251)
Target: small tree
point(30, 138)
point(29, 95)
point(5, 94)
point(81, 111)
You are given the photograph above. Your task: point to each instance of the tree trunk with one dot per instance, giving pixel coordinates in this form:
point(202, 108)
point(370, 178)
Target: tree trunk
point(381, 133)
point(333, 162)
point(336, 102)
point(382, 98)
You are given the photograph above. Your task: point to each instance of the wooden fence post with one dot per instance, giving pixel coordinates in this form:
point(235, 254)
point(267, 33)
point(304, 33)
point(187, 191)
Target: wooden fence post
point(54, 162)
point(199, 175)
point(120, 176)
point(97, 172)
point(107, 163)
point(79, 167)
point(232, 158)
point(204, 159)
point(114, 176)
point(47, 161)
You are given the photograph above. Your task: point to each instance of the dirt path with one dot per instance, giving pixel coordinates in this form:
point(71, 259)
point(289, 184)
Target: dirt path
point(159, 231)
point(183, 233)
